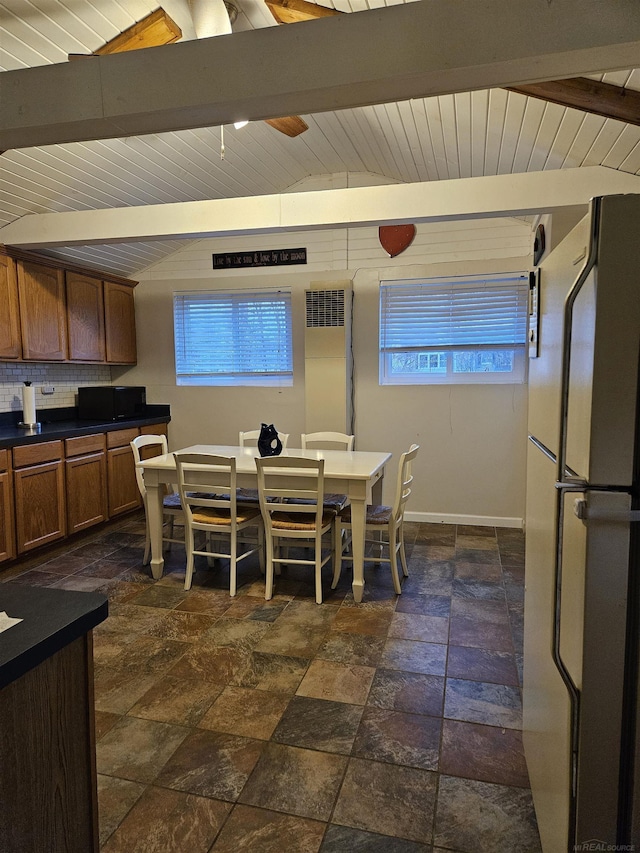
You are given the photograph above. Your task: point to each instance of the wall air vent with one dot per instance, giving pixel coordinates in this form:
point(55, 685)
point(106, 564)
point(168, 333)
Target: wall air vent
point(324, 308)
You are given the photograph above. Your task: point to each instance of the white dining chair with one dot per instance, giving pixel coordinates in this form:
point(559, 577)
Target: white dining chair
point(207, 487)
point(286, 484)
point(156, 445)
point(377, 519)
point(327, 440)
point(249, 438)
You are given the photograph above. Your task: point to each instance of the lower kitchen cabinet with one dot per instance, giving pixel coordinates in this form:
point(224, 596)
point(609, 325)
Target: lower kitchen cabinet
point(7, 538)
point(53, 489)
point(86, 481)
point(124, 494)
point(40, 505)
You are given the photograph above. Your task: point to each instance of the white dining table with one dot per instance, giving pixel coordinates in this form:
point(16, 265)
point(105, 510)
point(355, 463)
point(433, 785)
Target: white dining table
point(355, 473)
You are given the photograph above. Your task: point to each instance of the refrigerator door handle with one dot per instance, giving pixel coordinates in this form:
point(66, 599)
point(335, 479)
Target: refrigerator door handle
point(567, 327)
point(572, 689)
point(586, 513)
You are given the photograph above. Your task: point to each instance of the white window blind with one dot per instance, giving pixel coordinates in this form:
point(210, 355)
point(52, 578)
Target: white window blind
point(470, 329)
point(233, 338)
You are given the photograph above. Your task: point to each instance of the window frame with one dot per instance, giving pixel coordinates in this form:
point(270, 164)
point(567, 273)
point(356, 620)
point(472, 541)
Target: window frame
point(448, 309)
point(226, 307)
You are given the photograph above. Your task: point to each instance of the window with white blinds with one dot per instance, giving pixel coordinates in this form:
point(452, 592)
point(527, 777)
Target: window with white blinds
point(233, 338)
point(454, 330)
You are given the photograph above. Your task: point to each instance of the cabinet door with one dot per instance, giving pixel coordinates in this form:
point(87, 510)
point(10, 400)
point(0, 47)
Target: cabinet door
point(124, 494)
point(85, 318)
point(86, 478)
point(10, 343)
point(7, 538)
point(120, 323)
point(42, 312)
point(40, 510)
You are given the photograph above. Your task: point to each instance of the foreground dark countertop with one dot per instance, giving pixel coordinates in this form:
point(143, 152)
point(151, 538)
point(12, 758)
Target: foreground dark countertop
point(12, 435)
point(51, 619)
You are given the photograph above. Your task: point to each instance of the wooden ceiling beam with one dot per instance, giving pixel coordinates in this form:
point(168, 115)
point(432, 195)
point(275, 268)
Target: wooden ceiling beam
point(289, 125)
point(154, 30)
point(293, 11)
point(587, 95)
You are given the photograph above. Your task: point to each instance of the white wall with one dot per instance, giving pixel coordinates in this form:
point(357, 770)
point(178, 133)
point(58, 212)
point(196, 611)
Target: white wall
point(471, 467)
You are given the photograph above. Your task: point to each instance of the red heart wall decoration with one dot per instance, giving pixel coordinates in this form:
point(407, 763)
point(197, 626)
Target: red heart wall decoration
point(396, 238)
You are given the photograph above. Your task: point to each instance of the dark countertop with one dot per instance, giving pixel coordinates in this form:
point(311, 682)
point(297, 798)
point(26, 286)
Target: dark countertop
point(52, 618)
point(12, 435)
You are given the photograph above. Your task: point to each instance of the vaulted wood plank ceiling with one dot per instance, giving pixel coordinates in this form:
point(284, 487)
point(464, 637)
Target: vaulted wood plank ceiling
point(462, 135)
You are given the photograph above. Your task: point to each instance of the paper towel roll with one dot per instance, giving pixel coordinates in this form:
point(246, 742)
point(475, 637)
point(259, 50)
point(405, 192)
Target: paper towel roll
point(28, 403)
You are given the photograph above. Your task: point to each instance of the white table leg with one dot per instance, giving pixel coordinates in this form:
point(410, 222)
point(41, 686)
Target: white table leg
point(358, 514)
point(155, 493)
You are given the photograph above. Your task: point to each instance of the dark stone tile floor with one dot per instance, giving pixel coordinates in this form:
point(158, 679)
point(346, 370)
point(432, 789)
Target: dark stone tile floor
point(225, 725)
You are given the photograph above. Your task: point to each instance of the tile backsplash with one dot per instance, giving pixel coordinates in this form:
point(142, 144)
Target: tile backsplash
point(65, 379)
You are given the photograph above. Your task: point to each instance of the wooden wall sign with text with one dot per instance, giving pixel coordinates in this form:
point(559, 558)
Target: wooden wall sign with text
point(261, 258)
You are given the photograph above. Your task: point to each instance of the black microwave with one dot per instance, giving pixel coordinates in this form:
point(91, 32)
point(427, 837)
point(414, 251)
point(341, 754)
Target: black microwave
point(111, 402)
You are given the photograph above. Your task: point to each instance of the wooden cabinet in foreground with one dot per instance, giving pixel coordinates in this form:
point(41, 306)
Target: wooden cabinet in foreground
point(43, 318)
point(39, 494)
point(10, 340)
point(7, 537)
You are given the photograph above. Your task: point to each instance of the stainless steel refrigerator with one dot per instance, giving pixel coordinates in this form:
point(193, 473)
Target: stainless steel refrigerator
point(582, 581)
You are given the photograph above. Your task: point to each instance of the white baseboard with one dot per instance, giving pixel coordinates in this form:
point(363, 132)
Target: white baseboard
point(480, 520)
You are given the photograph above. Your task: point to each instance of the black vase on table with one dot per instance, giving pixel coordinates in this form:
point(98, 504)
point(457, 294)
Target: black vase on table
point(269, 443)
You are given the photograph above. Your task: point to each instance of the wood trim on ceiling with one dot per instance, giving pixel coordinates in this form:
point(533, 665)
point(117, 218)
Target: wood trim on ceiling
point(293, 11)
point(587, 95)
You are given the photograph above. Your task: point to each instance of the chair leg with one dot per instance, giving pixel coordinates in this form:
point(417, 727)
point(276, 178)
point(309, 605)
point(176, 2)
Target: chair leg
point(393, 559)
point(211, 561)
point(190, 545)
point(403, 556)
point(233, 565)
point(261, 549)
point(147, 545)
point(336, 534)
point(268, 590)
point(318, 567)
point(171, 520)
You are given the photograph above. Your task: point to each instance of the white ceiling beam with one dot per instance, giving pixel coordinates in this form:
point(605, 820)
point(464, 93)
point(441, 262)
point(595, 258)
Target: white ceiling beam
point(464, 198)
point(381, 55)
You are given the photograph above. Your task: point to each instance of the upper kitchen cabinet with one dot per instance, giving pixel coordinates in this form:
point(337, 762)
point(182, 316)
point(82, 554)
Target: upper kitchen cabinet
point(42, 312)
point(120, 323)
point(10, 343)
point(53, 311)
point(85, 317)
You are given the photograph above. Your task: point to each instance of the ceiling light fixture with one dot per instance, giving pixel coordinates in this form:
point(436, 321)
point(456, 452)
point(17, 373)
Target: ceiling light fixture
point(239, 124)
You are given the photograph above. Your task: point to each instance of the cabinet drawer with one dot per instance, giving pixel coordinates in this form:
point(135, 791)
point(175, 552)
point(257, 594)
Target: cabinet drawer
point(154, 429)
point(4, 460)
point(121, 437)
point(34, 454)
point(83, 444)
